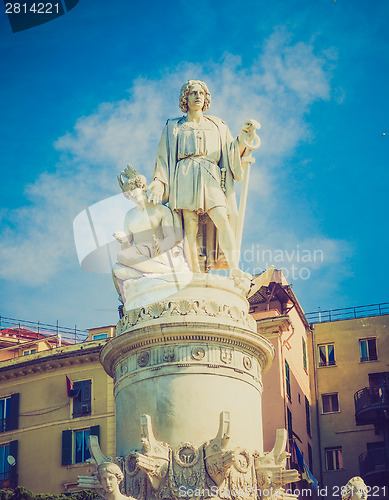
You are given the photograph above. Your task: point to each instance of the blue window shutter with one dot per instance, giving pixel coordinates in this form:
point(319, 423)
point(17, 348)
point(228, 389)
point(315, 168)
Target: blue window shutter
point(13, 469)
point(13, 422)
point(67, 447)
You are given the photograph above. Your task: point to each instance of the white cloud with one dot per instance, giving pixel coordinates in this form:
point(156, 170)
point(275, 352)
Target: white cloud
point(278, 89)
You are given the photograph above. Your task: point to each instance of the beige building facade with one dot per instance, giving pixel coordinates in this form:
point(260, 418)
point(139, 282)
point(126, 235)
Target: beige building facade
point(287, 389)
point(57, 418)
point(50, 401)
point(351, 402)
point(328, 386)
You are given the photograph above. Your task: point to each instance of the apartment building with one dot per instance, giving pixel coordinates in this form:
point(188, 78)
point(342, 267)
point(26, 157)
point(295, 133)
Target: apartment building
point(328, 386)
point(53, 395)
point(286, 399)
point(351, 398)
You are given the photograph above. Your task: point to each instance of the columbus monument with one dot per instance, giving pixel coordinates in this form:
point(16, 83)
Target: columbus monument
point(187, 359)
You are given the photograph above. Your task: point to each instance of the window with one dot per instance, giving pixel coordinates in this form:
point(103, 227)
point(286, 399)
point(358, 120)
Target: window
point(330, 402)
point(287, 380)
point(8, 465)
point(307, 416)
point(82, 403)
point(80, 446)
point(75, 445)
point(5, 408)
point(4, 465)
point(368, 349)
point(305, 364)
point(9, 413)
point(326, 355)
point(100, 336)
point(334, 458)
point(31, 351)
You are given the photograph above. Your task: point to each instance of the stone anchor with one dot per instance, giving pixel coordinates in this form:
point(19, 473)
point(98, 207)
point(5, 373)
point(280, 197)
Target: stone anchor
point(154, 460)
point(271, 472)
point(218, 458)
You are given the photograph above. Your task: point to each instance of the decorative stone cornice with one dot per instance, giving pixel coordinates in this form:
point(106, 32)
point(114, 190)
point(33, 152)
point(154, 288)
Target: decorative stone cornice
point(273, 327)
point(181, 308)
point(200, 358)
point(221, 333)
point(52, 359)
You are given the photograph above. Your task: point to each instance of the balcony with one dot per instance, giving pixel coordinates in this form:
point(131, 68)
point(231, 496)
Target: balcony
point(371, 406)
point(374, 467)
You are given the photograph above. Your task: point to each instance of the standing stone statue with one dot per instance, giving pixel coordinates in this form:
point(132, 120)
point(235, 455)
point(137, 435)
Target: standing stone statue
point(196, 165)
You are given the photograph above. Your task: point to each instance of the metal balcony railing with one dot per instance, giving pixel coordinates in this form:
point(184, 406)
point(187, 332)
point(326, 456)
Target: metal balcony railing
point(371, 405)
point(348, 313)
point(327, 363)
point(19, 327)
point(374, 461)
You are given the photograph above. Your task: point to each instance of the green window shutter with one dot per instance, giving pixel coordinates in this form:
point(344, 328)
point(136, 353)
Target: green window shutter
point(287, 380)
point(305, 365)
point(13, 469)
point(13, 422)
point(308, 416)
point(67, 447)
point(95, 430)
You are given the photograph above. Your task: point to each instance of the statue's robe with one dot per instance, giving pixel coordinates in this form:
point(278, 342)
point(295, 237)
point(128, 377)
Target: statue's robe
point(190, 160)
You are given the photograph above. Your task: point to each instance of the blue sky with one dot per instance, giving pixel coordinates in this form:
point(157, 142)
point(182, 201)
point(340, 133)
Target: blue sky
point(89, 92)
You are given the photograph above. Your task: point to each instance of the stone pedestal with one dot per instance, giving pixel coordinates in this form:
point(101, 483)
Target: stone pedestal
point(187, 367)
point(185, 359)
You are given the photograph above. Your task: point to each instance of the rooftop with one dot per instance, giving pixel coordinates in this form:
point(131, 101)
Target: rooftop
point(23, 330)
point(348, 313)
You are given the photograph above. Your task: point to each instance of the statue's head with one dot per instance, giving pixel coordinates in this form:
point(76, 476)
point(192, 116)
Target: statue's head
point(129, 179)
point(355, 489)
point(185, 90)
point(106, 474)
